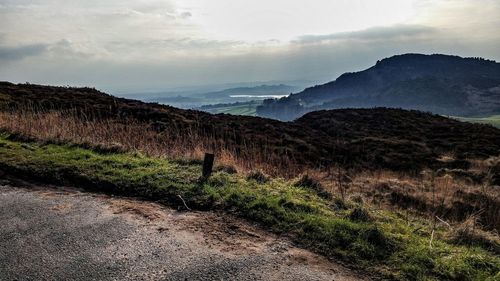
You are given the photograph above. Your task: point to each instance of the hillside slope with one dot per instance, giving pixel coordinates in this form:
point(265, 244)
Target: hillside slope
point(384, 244)
point(442, 84)
point(357, 138)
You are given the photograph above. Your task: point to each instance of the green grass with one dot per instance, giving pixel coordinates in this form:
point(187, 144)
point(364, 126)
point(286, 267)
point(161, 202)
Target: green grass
point(387, 246)
point(491, 120)
point(249, 109)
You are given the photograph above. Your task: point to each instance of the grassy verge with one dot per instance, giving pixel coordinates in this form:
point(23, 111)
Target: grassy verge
point(382, 243)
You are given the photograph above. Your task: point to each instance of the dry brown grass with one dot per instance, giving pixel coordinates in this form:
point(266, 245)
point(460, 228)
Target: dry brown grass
point(435, 197)
point(133, 135)
point(444, 196)
point(470, 232)
point(430, 195)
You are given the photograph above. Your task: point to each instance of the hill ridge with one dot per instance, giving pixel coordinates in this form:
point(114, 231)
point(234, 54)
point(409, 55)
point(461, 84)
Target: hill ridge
point(442, 84)
point(375, 138)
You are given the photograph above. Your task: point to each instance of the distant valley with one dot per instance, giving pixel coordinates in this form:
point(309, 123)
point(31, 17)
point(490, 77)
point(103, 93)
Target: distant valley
point(189, 99)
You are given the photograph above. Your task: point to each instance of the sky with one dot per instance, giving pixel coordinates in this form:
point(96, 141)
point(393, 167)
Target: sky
point(138, 45)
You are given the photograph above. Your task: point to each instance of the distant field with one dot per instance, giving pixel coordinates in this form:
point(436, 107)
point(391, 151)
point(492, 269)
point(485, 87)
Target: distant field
point(247, 108)
point(492, 120)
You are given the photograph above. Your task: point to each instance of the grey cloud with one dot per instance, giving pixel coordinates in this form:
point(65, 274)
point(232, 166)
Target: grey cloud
point(60, 49)
point(15, 6)
point(375, 33)
point(119, 49)
point(186, 15)
point(8, 53)
point(318, 62)
point(66, 49)
point(174, 44)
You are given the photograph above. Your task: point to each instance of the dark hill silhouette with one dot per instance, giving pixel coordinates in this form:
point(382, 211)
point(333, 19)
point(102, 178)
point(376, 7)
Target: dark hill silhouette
point(442, 84)
point(358, 138)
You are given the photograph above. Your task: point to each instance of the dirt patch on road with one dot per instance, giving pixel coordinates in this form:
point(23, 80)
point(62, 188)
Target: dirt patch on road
point(146, 210)
point(61, 207)
point(225, 233)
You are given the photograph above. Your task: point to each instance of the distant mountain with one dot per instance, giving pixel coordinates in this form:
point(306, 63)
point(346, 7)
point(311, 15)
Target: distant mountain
point(442, 84)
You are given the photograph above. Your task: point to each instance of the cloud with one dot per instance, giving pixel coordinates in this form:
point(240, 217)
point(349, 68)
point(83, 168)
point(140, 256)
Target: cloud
point(375, 33)
point(186, 15)
point(61, 50)
point(66, 49)
point(175, 44)
point(20, 52)
point(134, 45)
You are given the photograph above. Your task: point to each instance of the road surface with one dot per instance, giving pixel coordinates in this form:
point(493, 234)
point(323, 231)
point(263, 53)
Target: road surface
point(54, 233)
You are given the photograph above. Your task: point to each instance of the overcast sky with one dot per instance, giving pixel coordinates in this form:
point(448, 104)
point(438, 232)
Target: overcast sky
point(139, 45)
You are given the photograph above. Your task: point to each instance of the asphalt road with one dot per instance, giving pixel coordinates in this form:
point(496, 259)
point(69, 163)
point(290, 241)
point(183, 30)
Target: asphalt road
point(53, 233)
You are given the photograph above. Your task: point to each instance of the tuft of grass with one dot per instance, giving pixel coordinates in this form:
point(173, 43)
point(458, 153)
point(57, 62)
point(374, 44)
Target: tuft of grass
point(386, 245)
point(258, 176)
point(470, 233)
point(360, 214)
point(311, 183)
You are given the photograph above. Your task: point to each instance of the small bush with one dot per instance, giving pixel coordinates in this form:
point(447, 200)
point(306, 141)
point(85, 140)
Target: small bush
point(469, 233)
point(359, 214)
point(227, 169)
point(357, 199)
point(339, 204)
point(219, 179)
point(258, 176)
point(310, 183)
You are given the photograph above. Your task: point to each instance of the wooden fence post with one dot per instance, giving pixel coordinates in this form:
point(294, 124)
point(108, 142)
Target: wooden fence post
point(208, 164)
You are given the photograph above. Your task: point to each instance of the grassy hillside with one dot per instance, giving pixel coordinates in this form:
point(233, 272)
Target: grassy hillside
point(400, 194)
point(387, 244)
point(402, 141)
